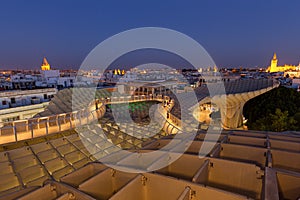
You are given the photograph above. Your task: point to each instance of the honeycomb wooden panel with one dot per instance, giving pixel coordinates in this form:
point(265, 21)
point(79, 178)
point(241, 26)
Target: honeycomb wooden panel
point(285, 145)
point(235, 169)
point(18, 153)
point(8, 181)
point(53, 190)
point(256, 134)
point(185, 167)
point(140, 160)
point(260, 142)
point(41, 147)
point(61, 172)
point(3, 156)
point(136, 190)
point(289, 185)
point(79, 176)
point(244, 153)
point(59, 142)
point(24, 162)
point(210, 137)
point(286, 160)
point(16, 194)
point(106, 183)
point(73, 138)
point(279, 136)
point(74, 156)
point(38, 182)
point(32, 173)
point(47, 155)
point(5, 168)
point(55, 164)
point(158, 187)
point(81, 163)
point(66, 149)
point(79, 144)
point(162, 144)
point(196, 146)
point(237, 177)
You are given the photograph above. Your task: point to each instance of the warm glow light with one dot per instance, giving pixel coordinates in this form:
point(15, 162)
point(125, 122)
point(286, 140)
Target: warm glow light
point(275, 68)
point(45, 65)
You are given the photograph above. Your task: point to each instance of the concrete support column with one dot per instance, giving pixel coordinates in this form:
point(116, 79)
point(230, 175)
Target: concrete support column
point(231, 107)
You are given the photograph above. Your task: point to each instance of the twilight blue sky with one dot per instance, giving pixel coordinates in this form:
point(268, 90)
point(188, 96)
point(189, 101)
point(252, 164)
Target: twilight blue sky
point(234, 32)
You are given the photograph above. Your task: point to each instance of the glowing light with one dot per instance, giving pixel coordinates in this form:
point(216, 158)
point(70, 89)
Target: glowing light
point(45, 65)
point(275, 68)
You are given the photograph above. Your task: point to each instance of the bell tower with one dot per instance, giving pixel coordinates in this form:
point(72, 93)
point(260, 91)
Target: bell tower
point(274, 62)
point(45, 65)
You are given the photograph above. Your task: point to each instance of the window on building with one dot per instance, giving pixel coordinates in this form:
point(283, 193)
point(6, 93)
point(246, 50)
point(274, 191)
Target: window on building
point(45, 96)
point(4, 103)
point(13, 100)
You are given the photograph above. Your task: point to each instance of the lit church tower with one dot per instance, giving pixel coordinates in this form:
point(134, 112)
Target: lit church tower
point(45, 65)
point(274, 62)
point(275, 68)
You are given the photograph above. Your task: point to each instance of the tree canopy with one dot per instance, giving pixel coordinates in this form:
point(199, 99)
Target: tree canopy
point(276, 110)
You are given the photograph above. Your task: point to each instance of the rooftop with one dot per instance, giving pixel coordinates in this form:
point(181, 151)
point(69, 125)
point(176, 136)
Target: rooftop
point(70, 164)
point(242, 164)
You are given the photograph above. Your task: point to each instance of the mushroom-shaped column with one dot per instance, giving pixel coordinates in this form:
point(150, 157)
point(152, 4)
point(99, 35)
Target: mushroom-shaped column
point(231, 106)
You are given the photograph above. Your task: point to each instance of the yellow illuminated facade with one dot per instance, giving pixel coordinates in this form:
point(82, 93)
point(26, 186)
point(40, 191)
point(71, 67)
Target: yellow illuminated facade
point(45, 65)
point(215, 69)
point(275, 68)
point(119, 72)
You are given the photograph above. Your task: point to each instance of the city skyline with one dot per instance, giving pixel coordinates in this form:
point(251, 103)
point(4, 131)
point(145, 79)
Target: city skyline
point(234, 33)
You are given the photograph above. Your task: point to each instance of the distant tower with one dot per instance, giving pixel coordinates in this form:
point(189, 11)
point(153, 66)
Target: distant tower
point(274, 61)
point(45, 65)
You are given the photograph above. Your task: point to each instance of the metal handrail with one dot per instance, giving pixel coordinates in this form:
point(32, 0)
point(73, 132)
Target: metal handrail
point(42, 126)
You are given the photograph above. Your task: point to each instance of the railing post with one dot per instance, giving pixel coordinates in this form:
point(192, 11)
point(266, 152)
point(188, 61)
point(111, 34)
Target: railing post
point(27, 125)
point(58, 123)
point(74, 116)
point(87, 117)
point(15, 132)
point(31, 129)
point(38, 123)
point(80, 122)
point(96, 105)
point(93, 116)
point(70, 120)
point(47, 126)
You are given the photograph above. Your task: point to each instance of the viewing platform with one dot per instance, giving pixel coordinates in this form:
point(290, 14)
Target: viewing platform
point(59, 116)
point(63, 164)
